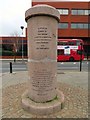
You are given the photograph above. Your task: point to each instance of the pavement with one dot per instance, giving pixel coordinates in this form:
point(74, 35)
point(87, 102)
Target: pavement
point(73, 84)
point(74, 78)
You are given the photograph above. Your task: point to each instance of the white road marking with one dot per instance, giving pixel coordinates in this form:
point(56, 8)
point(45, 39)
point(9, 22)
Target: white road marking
point(13, 68)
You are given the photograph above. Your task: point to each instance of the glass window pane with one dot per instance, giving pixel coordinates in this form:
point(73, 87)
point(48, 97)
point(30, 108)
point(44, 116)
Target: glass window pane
point(79, 52)
point(65, 12)
point(73, 25)
point(80, 26)
point(89, 26)
point(77, 42)
point(80, 12)
point(74, 12)
point(71, 43)
point(63, 25)
point(60, 52)
point(86, 26)
point(86, 12)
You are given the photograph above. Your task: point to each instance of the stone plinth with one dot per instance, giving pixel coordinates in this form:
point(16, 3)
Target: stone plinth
point(43, 108)
point(42, 25)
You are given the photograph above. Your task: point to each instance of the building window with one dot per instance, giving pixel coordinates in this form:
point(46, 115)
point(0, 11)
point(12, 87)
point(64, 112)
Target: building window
point(73, 26)
point(74, 12)
point(63, 11)
point(63, 25)
point(86, 12)
point(80, 12)
point(88, 26)
point(85, 26)
point(79, 25)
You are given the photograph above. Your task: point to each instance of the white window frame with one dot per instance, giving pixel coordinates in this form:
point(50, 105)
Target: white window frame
point(63, 11)
point(61, 26)
point(77, 25)
point(85, 12)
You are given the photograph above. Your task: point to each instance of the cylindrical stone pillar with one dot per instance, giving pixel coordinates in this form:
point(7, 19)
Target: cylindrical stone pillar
point(42, 25)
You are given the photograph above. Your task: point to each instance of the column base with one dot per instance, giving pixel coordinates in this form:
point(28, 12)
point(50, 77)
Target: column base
point(46, 108)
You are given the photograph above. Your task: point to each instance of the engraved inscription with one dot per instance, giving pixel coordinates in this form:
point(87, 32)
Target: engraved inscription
point(42, 81)
point(42, 38)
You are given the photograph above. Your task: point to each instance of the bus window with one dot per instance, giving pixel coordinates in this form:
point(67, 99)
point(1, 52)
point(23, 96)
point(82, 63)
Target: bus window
point(77, 43)
point(60, 52)
point(62, 43)
point(71, 43)
point(79, 52)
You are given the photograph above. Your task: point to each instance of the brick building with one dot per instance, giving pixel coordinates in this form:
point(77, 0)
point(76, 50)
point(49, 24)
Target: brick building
point(74, 23)
point(74, 19)
point(12, 46)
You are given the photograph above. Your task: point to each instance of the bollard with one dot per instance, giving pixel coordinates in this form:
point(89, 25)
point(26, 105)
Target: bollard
point(80, 65)
point(81, 59)
point(10, 67)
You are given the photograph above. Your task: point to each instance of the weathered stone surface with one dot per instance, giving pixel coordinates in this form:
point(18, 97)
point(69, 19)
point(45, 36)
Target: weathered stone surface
point(42, 82)
point(43, 108)
point(42, 38)
point(42, 24)
point(42, 10)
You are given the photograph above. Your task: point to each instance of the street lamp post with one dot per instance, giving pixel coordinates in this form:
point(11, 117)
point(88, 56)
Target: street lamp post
point(88, 33)
point(22, 27)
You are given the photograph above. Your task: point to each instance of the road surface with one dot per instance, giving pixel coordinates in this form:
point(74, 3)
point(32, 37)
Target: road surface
point(22, 66)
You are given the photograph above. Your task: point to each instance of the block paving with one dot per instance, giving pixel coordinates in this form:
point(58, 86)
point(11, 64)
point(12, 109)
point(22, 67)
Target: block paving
point(76, 102)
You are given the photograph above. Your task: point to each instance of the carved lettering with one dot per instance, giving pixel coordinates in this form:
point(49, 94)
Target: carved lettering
point(42, 38)
point(42, 81)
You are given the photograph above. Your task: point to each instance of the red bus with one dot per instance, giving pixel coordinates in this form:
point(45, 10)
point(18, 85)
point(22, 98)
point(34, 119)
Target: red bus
point(70, 50)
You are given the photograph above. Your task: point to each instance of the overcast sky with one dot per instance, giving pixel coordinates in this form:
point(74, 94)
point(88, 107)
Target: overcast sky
point(12, 15)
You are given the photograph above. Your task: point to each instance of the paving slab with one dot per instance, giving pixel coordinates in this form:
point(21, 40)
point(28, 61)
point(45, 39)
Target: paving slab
point(73, 84)
point(74, 78)
point(76, 102)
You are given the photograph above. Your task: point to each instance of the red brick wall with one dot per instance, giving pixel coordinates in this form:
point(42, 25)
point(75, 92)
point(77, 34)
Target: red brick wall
point(12, 57)
point(70, 18)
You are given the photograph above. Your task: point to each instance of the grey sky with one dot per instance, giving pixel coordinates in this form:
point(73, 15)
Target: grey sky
point(12, 15)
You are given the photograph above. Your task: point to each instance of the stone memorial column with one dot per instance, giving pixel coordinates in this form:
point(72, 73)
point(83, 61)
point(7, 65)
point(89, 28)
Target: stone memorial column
point(42, 96)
